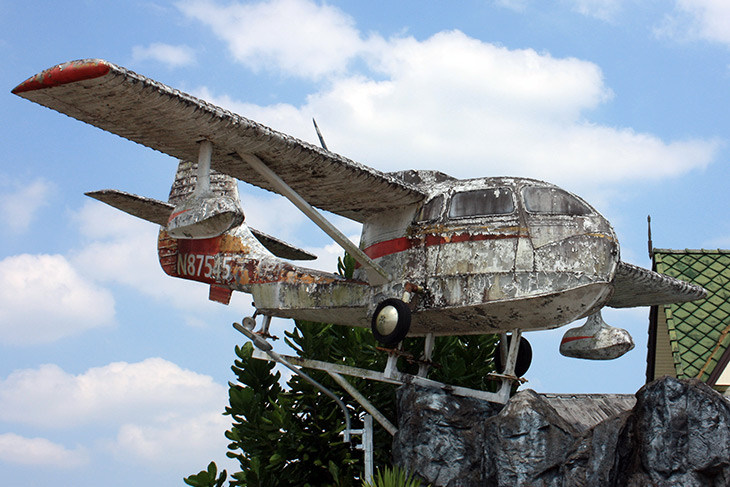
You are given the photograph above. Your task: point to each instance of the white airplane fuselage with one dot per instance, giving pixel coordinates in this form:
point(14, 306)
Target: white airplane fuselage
point(479, 256)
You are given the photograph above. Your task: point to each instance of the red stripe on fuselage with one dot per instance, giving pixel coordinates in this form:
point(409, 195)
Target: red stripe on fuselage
point(205, 246)
point(388, 247)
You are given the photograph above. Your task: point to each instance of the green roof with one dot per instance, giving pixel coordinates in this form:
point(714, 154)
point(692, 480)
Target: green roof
point(699, 331)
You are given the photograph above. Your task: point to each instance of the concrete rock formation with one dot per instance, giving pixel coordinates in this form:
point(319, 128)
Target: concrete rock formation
point(676, 433)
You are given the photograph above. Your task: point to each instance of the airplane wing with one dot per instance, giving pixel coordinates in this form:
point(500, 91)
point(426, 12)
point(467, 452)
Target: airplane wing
point(636, 286)
point(158, 212)
point(152, 114)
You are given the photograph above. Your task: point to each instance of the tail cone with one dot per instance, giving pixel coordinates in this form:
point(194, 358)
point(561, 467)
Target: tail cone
point(596, 340)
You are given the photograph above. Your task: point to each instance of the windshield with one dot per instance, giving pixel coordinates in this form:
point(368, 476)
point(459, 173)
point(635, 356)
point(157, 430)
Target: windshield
point(553, 201)
point(432, 209)
point(482, 202)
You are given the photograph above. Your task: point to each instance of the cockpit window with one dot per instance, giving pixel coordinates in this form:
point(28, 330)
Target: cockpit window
point(552, 201)
point(482, 202)
point(431, 210)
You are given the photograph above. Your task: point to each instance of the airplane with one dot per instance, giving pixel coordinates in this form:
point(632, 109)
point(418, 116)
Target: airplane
point(437, 256)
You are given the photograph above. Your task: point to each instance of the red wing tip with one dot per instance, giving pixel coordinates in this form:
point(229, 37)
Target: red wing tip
point(65, 73)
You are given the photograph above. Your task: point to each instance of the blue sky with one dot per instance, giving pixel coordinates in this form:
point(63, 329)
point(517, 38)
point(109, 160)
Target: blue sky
point(110, 370)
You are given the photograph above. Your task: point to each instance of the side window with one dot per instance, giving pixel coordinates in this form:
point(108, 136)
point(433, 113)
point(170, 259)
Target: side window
point(431, 210)
point(552, 201)
point(482, 202)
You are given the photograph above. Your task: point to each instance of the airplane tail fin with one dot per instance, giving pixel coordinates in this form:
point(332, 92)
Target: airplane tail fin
point(206, 203)
point(159, 212)
point(221, 198)
point(186, 179)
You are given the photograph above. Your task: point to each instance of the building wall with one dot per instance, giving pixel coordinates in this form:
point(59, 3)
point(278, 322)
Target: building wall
point(663, 362)
point(723, 382)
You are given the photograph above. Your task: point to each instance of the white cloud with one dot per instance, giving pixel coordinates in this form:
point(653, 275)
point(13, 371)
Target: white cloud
point(471, 109)
point(146, 391)
point(40, 452)
point(260, 208)
point(698, 19)
point(157, 412)
point(298, 36)
point(172, 56)
point(174, 441)
point(516, 5)
point(600, 9)
point(43, 298)
point(18, 207)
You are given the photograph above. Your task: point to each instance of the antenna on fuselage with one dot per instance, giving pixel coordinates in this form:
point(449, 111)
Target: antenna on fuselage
point(651, 244)
point(319, 134)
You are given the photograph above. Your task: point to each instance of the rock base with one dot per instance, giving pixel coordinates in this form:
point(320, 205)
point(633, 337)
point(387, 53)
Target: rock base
point(676, 434)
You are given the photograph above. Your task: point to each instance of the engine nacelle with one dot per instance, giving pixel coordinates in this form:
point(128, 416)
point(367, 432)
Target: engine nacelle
point(596, 340)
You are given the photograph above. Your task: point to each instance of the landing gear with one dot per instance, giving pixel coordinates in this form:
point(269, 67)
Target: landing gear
point(524, 356)
point(249, 323)
point(391, 322)
point(392, 326)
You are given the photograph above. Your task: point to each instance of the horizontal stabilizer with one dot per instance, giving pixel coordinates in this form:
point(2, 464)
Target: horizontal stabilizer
point(635, 286)
point(280, 248)
point(149, 209)
point(158, 212)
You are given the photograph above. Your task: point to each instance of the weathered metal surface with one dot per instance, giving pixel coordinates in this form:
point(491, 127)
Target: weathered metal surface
point(489, 273)
point(396, 377)
point(158, 212)
point(204, 216)
point(149, 209)
point(596, 340)
point(468, 256)
point(150, 113)
point(635, 286)
point(205, 213)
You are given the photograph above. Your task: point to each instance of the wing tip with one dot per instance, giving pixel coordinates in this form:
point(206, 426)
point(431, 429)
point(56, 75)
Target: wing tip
point(65, 73)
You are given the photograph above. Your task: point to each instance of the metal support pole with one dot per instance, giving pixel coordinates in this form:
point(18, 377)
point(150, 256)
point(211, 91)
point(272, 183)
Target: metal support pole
point(202, 185)
point(427, 355)
point(367, 443)
point(362, 400)
point(266, 347)
point(376, 274)
point(509, 362)
point(366, 446)
point(391, 369)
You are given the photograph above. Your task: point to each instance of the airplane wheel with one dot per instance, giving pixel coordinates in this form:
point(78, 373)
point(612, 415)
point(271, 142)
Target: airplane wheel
point(249, 323)
point(524, 357)
point(391, 322)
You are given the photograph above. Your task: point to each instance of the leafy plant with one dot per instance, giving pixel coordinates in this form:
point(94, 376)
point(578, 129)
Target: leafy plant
point(290, 436)
point(393, 477)
point(207, 478)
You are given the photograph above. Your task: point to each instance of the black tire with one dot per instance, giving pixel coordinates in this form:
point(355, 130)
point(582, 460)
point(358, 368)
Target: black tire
point(398, 329)
point(524, 357)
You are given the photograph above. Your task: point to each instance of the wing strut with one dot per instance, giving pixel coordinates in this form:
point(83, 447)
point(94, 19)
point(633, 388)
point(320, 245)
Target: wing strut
point(376, 274)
